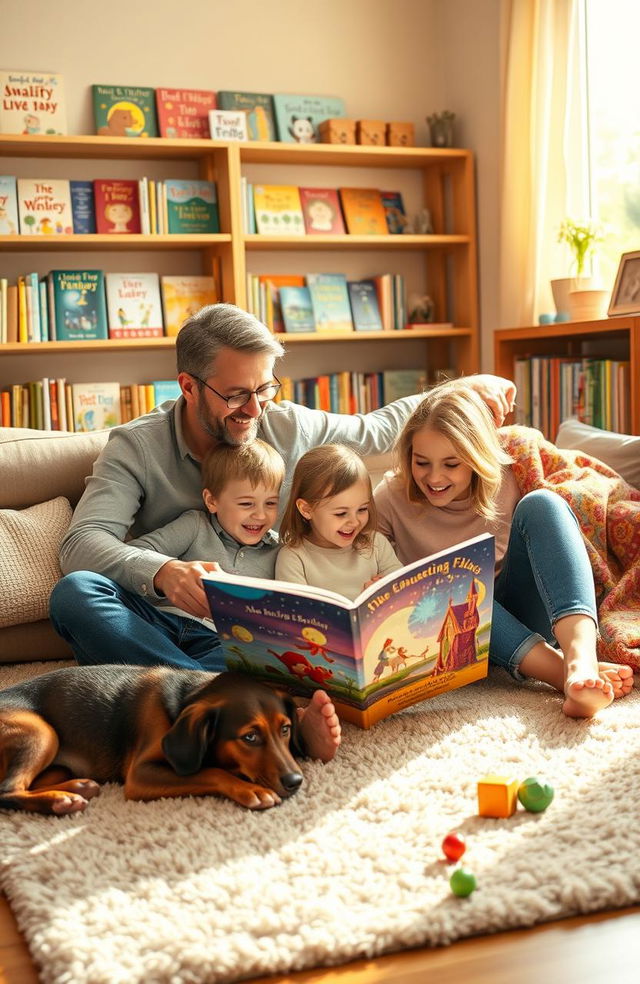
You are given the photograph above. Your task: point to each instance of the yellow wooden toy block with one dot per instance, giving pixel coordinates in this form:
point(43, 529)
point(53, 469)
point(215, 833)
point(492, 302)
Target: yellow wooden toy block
point(497, 796)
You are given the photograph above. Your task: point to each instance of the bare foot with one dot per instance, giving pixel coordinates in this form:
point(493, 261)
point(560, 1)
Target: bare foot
point(619, 675)
point(585, 697)
point(320, 727)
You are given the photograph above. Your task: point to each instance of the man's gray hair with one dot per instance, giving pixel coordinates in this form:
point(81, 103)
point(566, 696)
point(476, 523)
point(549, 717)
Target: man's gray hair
point(219, 326)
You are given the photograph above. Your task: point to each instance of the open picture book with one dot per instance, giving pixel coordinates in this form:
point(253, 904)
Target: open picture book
point(415, 633)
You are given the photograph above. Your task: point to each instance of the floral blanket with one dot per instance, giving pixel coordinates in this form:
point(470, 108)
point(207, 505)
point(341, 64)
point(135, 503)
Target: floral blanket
point(608, 510)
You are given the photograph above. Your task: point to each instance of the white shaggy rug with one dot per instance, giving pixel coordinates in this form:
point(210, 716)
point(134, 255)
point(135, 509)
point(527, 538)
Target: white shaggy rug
point(199, 890)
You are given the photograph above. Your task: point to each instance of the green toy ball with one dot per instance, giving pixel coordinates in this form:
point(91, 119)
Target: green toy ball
point(462, 883)
point(534, 795)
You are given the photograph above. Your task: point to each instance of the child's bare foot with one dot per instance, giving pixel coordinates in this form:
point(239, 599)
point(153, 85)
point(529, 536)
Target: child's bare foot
point(586, 696)
point(320, 727)
point(619, 675)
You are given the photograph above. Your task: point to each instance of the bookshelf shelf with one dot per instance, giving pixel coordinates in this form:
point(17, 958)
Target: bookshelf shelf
point(408, 242)
point(104, 243)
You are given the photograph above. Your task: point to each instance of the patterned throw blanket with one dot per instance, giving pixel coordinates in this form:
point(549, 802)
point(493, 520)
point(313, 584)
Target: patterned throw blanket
point(608, 510)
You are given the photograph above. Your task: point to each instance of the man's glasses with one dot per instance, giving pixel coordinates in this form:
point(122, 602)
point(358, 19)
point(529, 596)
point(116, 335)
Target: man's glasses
point(263, 393)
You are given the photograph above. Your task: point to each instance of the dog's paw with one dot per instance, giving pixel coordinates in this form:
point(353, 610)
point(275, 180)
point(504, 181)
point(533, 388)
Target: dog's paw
point(255, 797)
point(68, 803)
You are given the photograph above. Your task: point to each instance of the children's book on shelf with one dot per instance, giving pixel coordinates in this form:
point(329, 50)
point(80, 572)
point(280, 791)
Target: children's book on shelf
point(165, 389)
point(83, 207)
point(133, 305)
point(9, 223)
point(124, 111)
point(278, 210)
point(363, 211)
point(117, 205)
point(297, 309)
point(192, 206)
point(365, 312)
point(95, 405)
point(259, 109)
point(415, 633)
point(271, 283)
point(330, 300)
point(298, 116)
point(397, 383)
point(32, 102)
point(77, 305)
point(44, 206)
point(184, 112)
point(228, 124)
point(394, 211)
point(183, 296)
point(322, 212)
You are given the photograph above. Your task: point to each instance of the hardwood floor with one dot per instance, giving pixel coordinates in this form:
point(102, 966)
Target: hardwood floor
point(599, 949)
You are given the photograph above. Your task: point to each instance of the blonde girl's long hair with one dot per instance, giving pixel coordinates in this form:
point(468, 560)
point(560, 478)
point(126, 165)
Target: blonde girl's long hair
point(454, 410)
point(321, 473)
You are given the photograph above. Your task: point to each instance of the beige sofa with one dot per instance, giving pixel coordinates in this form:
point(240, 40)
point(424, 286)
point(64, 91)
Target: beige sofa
point(41, 479)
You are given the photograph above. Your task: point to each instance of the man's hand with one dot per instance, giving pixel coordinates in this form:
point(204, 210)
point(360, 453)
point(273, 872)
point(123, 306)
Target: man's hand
point(179, 581)
point(499, 394)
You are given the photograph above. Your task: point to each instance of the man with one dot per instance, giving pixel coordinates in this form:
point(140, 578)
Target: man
point(149, 473)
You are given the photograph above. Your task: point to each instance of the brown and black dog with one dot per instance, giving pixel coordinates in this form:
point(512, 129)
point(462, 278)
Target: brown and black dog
point(161, 732)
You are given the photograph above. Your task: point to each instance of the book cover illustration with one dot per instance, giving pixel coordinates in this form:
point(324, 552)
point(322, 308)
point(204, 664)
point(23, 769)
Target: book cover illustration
point(363, 211)
point(79, 304)
point(273, 282)
point(278, 210)
point(95, 405)
point(322, 212)
point(165, 389)
point(298, 116)
point(330, 300)
point(394, 211)
point(228, 124)
point(117, 206)
point(83, 207)
point(364, 305)
point(259, 109)
point(32, 102)
point(133, 305)
point(192, 206)
point(124, 111)
point(183, 296)
point(415, 633)
point(9, 223)
point(184, 112)
point(297, 309)
point(44, 207)
point(398, 383)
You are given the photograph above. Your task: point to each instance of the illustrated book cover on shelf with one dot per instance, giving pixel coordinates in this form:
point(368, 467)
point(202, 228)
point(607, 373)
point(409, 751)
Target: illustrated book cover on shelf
point(44, 206)
point(278, 210)
point(32, 102)
point(83, 207)
point(117, 205)
point(398, 383)
point(415, 633)
point(297, 309)
point(124, 111)
point(259, 109)
point(394, 211)
point(363, 211)
point(184, 112)
point(165, 389)
point(330, 300)
point(273, 283)
point(183, 296)
point(9, 223)
point(78, 304)
point(133, 305)
point(322, 212)
point(364, 305)
point(192, 206)
point(95, 405)
point(228, 124)
point(298, 116)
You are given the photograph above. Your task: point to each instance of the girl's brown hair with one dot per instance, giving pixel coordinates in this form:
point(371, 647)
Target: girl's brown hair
point(321, 473)
point(256, 461)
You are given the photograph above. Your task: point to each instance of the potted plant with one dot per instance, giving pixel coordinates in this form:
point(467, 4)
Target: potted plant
point(576, 296)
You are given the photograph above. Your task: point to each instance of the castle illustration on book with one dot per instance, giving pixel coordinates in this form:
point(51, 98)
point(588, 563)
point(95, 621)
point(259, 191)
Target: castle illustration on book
point(413, 634)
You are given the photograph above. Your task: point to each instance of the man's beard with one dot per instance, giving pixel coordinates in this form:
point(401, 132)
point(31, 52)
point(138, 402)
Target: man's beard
point(217, 429)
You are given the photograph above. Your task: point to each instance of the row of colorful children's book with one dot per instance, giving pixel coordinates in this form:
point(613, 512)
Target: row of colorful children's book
point(86, 305)
point(327, 302)
point(353, 392)
point(58, 206)
point(287, 210)
point(553, 389)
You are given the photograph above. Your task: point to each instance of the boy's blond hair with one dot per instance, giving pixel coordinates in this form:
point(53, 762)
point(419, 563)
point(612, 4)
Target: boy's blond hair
point(256, 461)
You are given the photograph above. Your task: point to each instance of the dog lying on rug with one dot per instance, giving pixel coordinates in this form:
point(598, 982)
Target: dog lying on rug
point(161, 732)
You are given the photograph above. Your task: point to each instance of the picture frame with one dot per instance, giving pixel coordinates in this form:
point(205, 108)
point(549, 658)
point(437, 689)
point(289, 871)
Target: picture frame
point(625, 296)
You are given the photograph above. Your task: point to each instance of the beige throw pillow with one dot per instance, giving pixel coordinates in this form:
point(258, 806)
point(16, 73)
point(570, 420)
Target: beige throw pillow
point(29, 545)
point(620, 451)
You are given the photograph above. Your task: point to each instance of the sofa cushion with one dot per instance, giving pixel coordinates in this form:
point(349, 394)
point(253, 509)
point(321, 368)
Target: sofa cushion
point(620, 451)
point(35, 464)
point(29, 545)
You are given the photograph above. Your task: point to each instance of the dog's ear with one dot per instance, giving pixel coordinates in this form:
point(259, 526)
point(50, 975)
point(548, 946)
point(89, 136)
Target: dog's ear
point(296, 742)
point(186, 742)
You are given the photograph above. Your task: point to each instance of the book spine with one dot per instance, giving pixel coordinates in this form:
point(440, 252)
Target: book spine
point(51, 297)
point(62, 406)
point(23, 329)
point(44, 314)
point(46, 403)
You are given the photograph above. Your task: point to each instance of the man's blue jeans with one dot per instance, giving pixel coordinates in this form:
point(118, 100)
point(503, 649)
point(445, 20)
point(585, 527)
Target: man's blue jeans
point(546, 575)
point(103, 623)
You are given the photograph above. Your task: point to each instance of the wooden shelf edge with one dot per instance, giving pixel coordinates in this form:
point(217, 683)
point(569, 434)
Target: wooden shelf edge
point(253, 241)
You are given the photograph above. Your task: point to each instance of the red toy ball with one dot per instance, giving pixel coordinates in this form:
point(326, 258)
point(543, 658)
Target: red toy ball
point(454, 846)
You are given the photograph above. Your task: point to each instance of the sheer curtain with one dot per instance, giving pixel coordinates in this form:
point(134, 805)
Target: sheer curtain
point(544, 173)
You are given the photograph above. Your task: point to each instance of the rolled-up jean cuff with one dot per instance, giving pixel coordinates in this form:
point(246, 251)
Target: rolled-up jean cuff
point(576, 610)
point(525, 646)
